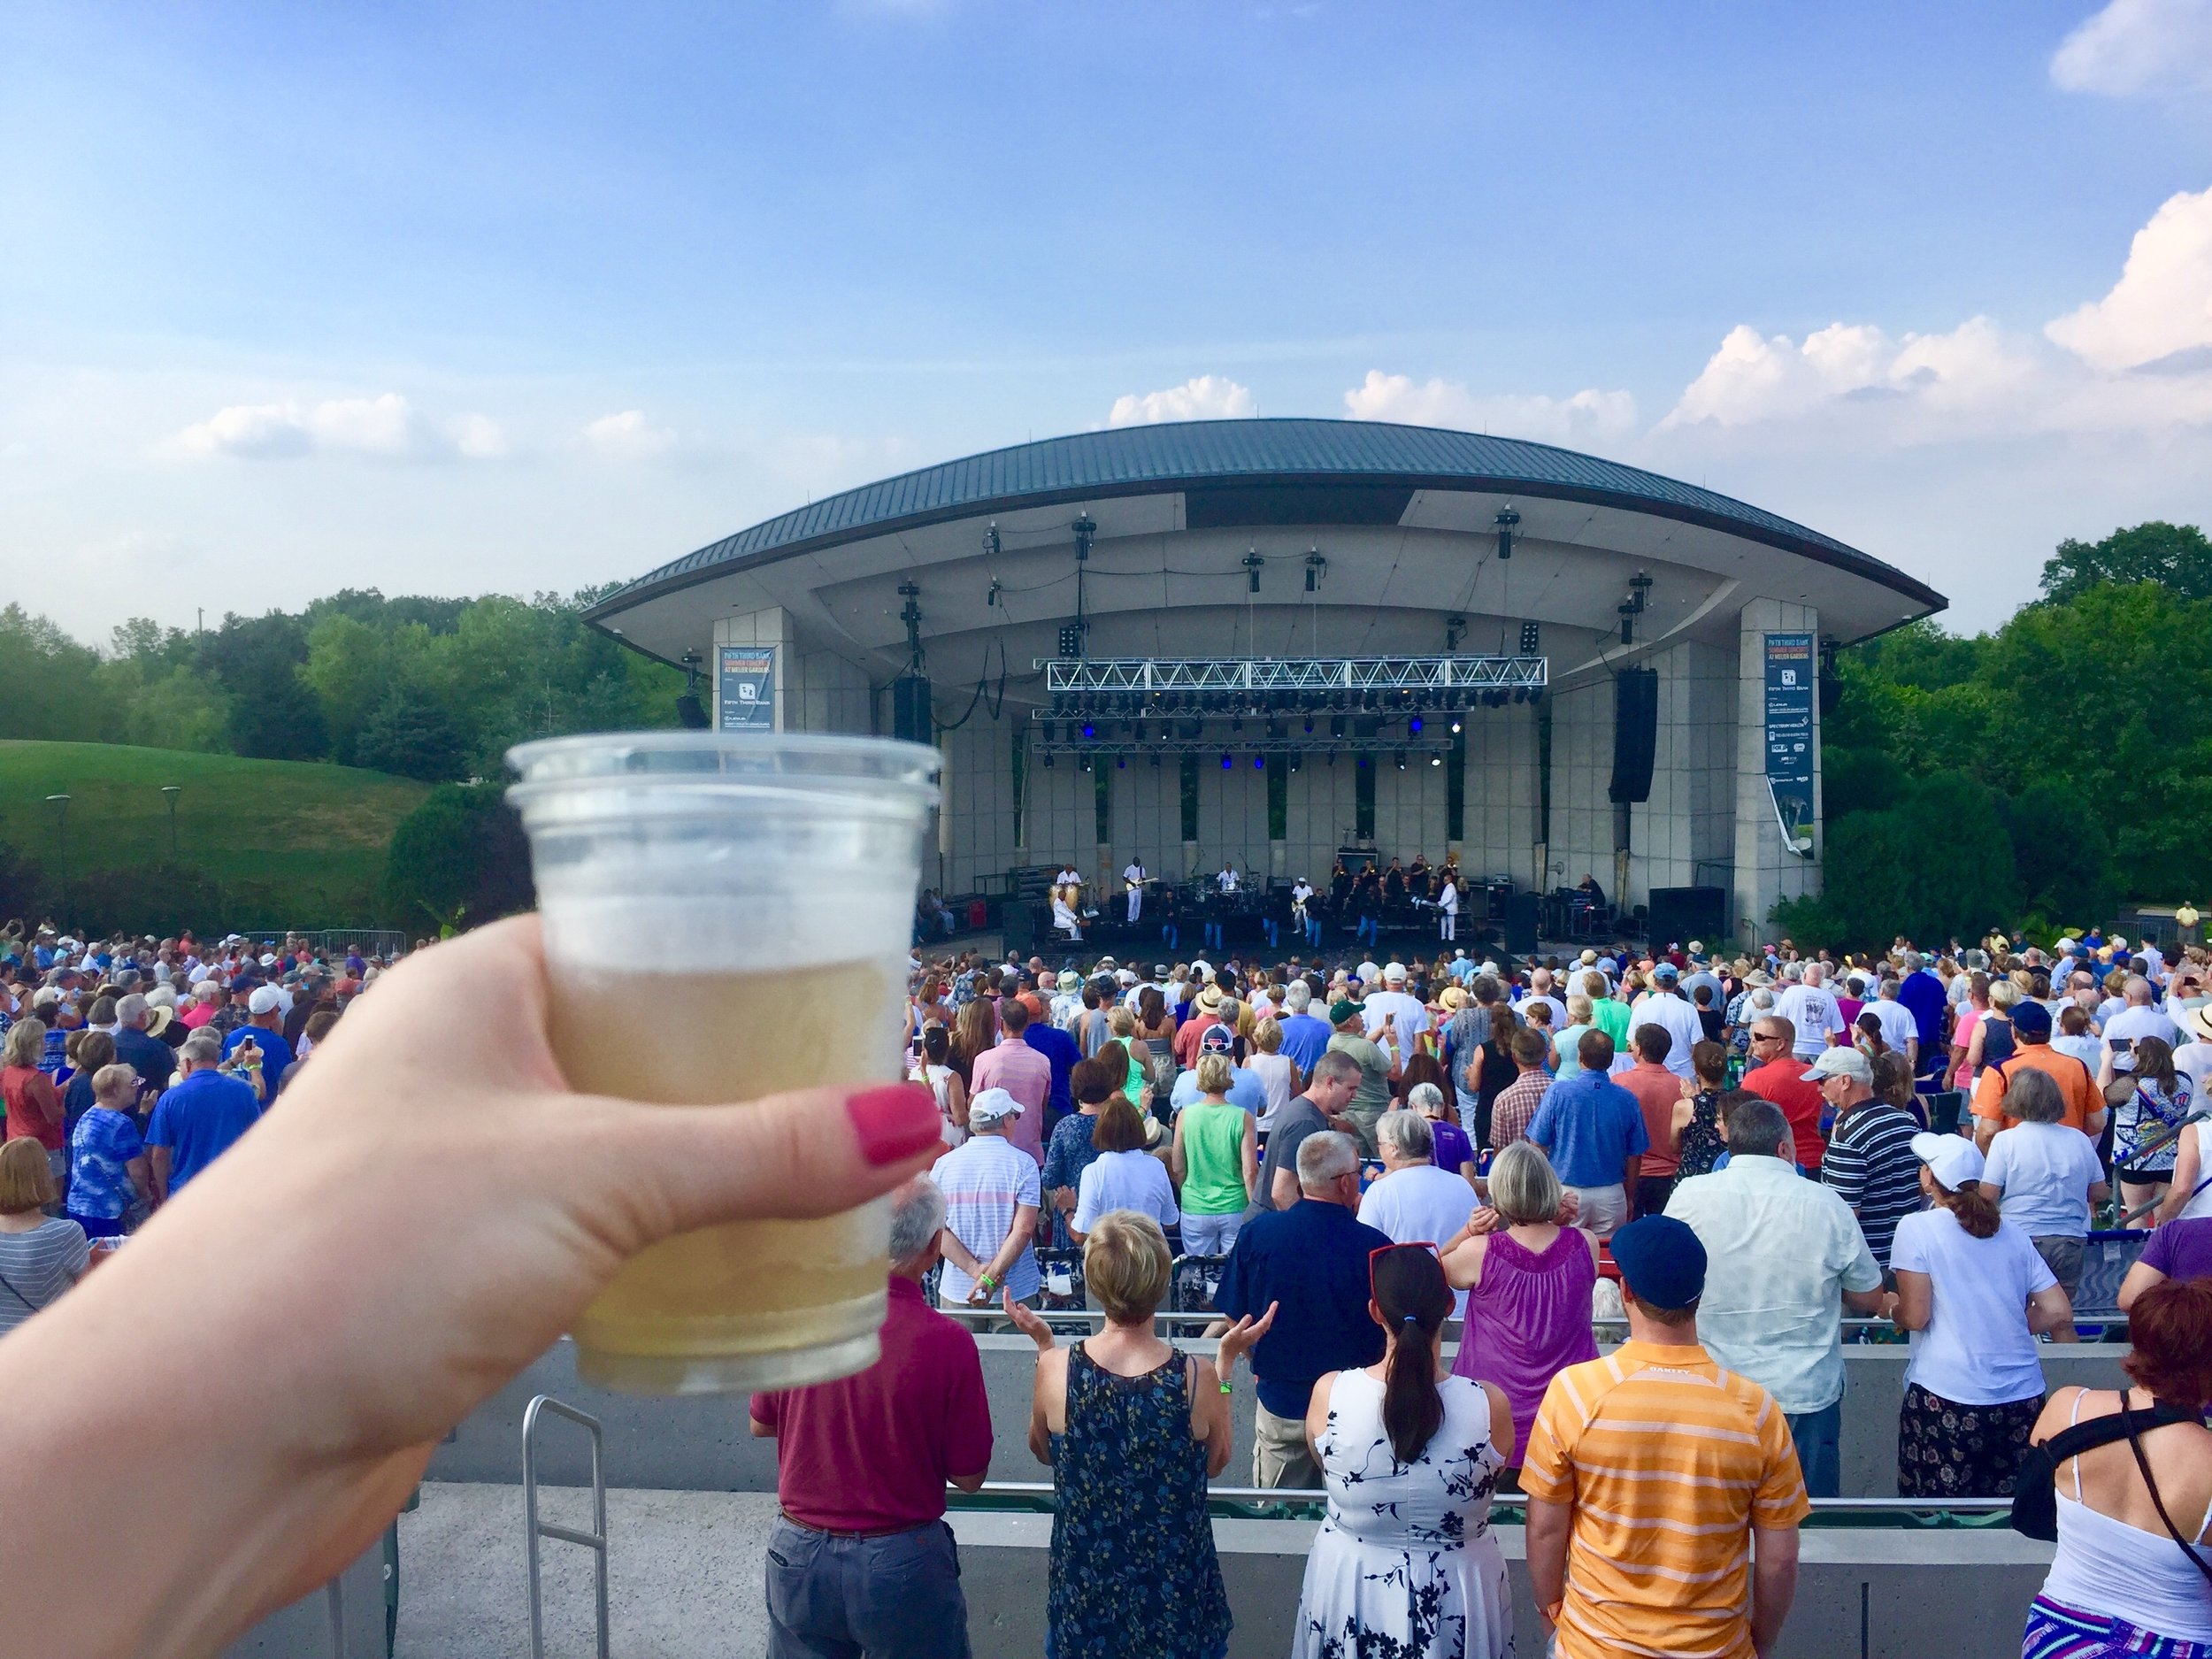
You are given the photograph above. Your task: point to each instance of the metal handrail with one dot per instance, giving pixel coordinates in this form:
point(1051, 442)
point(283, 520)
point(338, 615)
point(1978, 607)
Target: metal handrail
point(1316, 1494)
point(594, 1542)
point(1097, 1315)
point(2157, 1144)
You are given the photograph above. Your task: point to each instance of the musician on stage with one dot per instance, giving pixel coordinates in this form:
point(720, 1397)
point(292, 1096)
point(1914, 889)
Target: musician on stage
point(1447, 908)
point(1339, 887)
point(1227, 880)
point(1065, 898)
point(1592, 893)
point(1367, 903)
point(1394, 885)
point(1170, 920)
point(1417, 875)
point(1308, 924)
point(1132, 879)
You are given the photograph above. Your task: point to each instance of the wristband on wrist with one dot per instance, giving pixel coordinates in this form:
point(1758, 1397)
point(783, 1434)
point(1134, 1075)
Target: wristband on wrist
point(987, 1282)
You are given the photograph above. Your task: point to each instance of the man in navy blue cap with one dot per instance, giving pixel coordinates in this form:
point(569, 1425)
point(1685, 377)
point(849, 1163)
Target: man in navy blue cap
point(1649, 1470)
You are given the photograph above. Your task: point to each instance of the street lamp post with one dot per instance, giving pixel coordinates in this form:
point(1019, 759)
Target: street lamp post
point(169, 792)
point(60, 804)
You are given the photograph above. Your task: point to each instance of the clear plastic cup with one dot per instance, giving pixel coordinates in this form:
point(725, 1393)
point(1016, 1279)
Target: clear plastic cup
point(728, 916)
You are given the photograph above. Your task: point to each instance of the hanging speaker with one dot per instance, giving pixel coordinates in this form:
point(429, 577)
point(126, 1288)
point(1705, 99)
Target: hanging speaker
point(910, 714)
point(1635, 734)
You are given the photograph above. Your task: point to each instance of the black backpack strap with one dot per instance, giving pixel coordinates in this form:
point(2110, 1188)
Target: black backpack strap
point(2143, 1464)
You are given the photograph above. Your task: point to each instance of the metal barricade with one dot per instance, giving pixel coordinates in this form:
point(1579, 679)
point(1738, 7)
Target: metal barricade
point(595, 1540)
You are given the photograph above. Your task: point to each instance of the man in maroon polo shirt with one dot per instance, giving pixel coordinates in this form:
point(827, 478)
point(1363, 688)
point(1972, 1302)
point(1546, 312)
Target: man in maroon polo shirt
point(1779, 1076)
point(861, 1561)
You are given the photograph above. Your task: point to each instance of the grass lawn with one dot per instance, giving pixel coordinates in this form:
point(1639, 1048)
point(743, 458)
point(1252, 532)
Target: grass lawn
point(302, 839)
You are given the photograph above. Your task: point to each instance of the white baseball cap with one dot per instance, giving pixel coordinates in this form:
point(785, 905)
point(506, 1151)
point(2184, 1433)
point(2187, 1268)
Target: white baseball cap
point(1393, 973)
point(264, 1000)
point(1953, 1160)
point(990, 1106)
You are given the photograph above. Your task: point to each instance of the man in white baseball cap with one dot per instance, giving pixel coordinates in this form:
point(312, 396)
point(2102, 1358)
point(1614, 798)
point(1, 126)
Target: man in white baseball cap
point(265, 1025)
point(993, 1192)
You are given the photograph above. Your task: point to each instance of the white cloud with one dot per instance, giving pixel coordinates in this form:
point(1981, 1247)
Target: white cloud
point(1958, 379)
point(628, 436)
point(2135, 46)
point(1588, 416)
point(387, 426)
point(1201, 398)
point(2161, 305)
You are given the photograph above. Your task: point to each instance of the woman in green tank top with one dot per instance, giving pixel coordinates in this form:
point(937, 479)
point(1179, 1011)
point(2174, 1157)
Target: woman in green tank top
point(1216, 1159)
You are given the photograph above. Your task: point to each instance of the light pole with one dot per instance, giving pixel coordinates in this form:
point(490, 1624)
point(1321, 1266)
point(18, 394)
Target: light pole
point(169, 792)
point(60, 804)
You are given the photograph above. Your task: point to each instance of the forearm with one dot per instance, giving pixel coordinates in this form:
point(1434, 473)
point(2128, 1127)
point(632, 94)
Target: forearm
point(1547, 1544)
point(959, 1255)
point(1773, 1586)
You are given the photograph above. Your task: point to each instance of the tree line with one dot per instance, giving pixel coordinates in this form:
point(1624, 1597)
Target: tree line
point(436, 690)
point(2036, 776)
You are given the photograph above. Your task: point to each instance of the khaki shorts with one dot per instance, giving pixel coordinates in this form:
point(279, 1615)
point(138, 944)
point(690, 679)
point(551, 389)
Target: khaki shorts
point(1280, 1456)
point(1604, 1208)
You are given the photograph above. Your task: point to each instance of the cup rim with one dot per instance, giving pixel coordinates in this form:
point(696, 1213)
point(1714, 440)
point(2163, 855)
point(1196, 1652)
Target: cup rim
point(800, 762)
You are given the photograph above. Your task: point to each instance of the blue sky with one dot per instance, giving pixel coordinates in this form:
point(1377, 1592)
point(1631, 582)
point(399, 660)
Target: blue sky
point(455, 298)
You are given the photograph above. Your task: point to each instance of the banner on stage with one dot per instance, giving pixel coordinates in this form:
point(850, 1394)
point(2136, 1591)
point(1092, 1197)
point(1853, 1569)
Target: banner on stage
point(745, 688)
point(1790, 674)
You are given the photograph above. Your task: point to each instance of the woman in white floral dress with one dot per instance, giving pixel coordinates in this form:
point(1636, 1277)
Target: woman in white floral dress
point(1405, 1566)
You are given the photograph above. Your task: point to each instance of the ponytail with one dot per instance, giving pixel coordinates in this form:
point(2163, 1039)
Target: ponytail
point(1976, 1210)
point(1411, 1290)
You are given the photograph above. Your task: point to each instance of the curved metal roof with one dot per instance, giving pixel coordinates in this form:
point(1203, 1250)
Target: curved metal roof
point(1154, 459)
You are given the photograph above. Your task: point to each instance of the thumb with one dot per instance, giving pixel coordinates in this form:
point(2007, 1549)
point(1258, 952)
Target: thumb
point(649, 1171)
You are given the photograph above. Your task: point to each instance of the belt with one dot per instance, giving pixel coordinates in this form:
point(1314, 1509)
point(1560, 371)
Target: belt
point(866, 1532)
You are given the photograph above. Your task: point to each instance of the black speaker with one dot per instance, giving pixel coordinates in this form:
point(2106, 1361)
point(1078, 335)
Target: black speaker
point(1679, 914)
point(1635, 734)
point(1521, 911)
point(910, 715)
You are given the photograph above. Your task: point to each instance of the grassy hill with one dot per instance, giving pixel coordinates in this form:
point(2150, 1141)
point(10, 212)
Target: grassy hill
point(284, 842)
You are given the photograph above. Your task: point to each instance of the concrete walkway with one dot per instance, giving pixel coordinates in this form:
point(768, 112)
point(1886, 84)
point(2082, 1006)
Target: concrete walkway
point(684, 1574)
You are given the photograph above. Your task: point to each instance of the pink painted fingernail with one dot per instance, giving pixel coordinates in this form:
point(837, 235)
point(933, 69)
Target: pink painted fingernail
point(895, 1121)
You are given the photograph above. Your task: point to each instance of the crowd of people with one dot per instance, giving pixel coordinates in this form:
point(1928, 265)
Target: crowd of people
point(1734, 1156)
point(128, 1065)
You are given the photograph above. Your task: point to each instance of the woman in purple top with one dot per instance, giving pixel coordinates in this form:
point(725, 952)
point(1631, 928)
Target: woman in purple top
point(1454, 1151)
point(1528, 1285)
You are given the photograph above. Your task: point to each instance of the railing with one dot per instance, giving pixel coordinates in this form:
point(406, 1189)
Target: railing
point(1182, 1324)
point(595, 1540)
point(1044, 1489)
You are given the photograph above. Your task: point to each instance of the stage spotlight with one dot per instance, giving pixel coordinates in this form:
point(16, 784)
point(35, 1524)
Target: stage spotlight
point(1089, 731)
point(1414, 726)
point(1137, 731)
point(1310, 726)
point(1259, 763)
point(1293, 763)
point(1436, 760)
point(1121, 763)
point(1336, 726)
point(1226, 763)
point(1087, 763)
point(1402, 760)
point(1454, 725)
point(1531, 638)
point(1047, 763)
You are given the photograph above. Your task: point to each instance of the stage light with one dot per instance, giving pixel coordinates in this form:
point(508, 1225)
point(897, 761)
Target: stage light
point(1414, 726)
point(1121, 763)
point(1531, 639)
point(1226, 763)
point(1505, 521)
point(1454, 725)
point(1402, 760)
point(1436, 760)
point(1047, 763)
point(1293, 763)
point(1137, 731)
point(1089, 731)
point(1309, 726)
point(1259, 763)
point(1087, 763)
point(1336, 726)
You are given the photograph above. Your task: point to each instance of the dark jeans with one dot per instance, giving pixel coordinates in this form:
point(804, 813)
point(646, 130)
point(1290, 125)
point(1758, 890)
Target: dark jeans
point(893, 1597)
point(1652, 1193)
point(1819, 1437)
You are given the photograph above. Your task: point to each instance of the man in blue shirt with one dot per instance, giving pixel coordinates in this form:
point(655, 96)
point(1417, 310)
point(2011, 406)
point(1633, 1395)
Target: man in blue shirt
point(1305, 1036)
point(1310, 1264)
point(265, 1024)
point(1059, 1048)
point(1922, 996)
point(1245, 1087)
point(200, 1118)
point(1593, 1130)
point(150, 1057)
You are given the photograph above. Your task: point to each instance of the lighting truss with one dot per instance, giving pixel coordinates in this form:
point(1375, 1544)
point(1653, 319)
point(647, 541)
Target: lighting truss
point(1215, 742)
point(1424, 676)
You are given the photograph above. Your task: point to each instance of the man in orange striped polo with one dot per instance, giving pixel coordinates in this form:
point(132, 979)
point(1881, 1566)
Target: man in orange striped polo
point(1650, 1474)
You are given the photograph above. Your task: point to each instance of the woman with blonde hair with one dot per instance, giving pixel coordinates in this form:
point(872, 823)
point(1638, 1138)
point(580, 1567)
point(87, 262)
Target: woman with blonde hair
point(1133, 1428)
point(40, 1256)
point(1277, 1073)
point(1992, 1043)
point(34, 1107)
point(1529, 1281)
point(1215, 1160)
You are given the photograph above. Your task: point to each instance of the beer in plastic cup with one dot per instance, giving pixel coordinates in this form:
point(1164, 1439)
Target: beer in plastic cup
point(727, 916)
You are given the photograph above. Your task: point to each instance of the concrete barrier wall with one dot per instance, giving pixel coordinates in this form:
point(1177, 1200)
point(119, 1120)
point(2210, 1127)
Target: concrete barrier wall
point(702, 1444)
point(1961, 1594)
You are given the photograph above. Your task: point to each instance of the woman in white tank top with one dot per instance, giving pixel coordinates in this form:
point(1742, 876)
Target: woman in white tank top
point(2121, 1582)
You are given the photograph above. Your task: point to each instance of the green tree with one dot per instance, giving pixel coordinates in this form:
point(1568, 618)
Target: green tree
point(458, 859)
point(1936, 865)
point(272, 712)
point(412, 735)
point(2177, 557)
